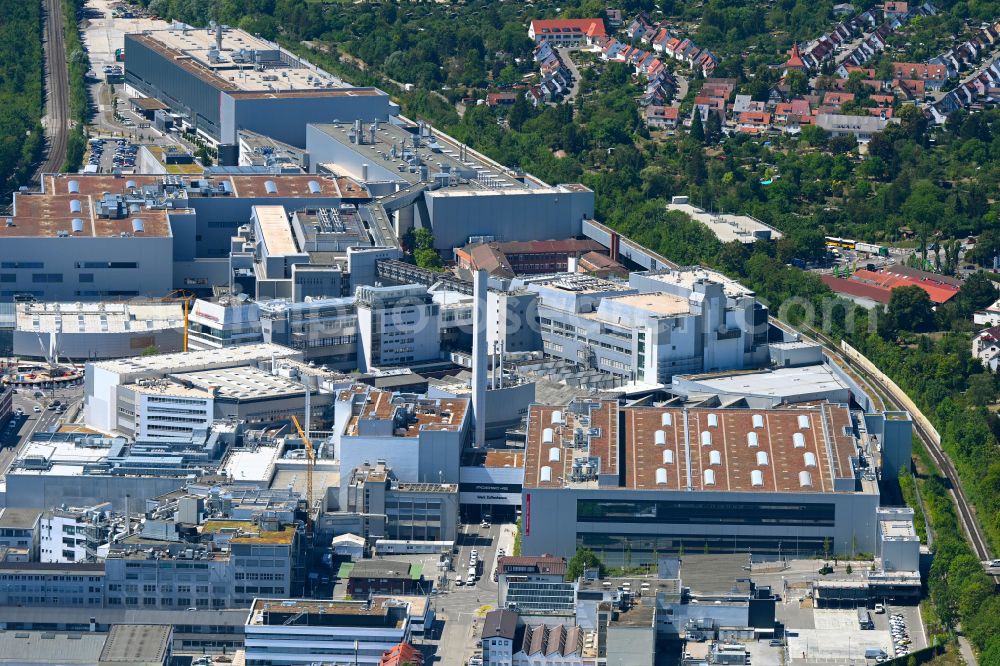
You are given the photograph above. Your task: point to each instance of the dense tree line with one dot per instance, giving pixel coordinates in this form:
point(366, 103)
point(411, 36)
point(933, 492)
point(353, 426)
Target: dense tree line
point(79, 104)
point(21, 97)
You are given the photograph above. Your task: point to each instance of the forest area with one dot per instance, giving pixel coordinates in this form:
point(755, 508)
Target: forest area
point(21, 91)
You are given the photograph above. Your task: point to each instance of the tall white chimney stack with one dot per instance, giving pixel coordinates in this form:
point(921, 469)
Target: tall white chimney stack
point(479, 365)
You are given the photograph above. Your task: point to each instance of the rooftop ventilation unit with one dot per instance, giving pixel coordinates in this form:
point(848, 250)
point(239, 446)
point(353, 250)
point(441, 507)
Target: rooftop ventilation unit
point(709, 477)
point(706, 438)
point(810, 458)
point(713, 421)
point(75, 206)
point(545, 474)
point(74, 187)
point(758, 420)
point(799, 440)
point(714, 458)
point(314, 187)
point(666, 419)
point(138, 226)
point(556, 417)
point(756, 478)
point(661, 438)
point(762, 458)
point(554, 454)
point(668, 457)
point(131, 184)
point(77, 224)
point(661, 476)
point(270, 187)
point(805, 479)
point(547, 436)
point(752, 439)
point(803, 422)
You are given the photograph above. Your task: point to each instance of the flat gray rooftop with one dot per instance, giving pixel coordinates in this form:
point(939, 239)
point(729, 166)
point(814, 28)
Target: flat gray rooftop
point(47, 647)
point(24, 519)
point(713, 574)
point(131, 643)
point(782, 382)
point(435, 151)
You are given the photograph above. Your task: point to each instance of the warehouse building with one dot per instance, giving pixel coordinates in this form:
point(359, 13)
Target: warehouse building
point(89, 331)
point(632, 482)
point(104, 379)
point(88, 238)
point(105, 237)
point(427, 179)
point(223, 80)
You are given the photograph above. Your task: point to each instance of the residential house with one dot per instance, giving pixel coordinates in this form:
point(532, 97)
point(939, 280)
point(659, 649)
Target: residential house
point(640, 26)
point(896, 9)
point(661, 117)
point(986, 348)
point(494, 100)
point(861, 127)
point(754, 122)
point(794, 62)
point(566, 32)
point(934, 76)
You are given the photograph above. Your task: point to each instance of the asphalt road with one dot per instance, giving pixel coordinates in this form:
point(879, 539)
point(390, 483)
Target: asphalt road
point(57, 89)
point(462, 608)
point(13, 438)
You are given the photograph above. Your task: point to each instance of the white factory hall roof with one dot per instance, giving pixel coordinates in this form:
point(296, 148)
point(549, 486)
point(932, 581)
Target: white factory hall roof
point(62, 458)
point(241, 383)
point(778, 383)
point(197, 360)
point(99, 317)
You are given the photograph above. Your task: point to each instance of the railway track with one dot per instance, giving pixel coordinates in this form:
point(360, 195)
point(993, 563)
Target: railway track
point(966, 514)
point(57, 89)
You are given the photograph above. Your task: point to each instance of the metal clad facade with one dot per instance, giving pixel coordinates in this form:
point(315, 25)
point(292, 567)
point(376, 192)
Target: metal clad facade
point(156, 76)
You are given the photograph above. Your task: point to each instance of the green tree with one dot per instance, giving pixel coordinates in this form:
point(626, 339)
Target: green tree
point(151, 350)
point(424, 254)
point(814, 135)
point(910, 309)
point(982, 389)
point(797, 82)
point(976, 293)
point(697, 129)
point(713, 129)
point(584, 558)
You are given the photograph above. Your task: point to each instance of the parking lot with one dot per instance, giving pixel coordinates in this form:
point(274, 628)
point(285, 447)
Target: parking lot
point(111, 155)
point(832, 636)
